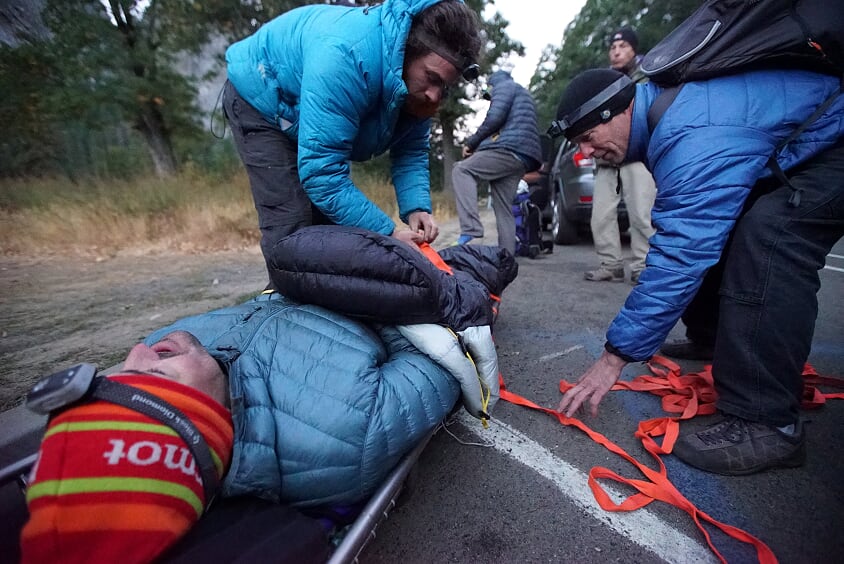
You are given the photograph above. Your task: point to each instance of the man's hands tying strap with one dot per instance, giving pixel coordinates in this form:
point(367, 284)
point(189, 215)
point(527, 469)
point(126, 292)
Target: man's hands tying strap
point(423, 223)
point(593, 385)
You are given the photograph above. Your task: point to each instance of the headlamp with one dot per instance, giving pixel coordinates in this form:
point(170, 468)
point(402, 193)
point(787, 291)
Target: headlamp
point(470, 72)
point(560, 126)
point(80, 383)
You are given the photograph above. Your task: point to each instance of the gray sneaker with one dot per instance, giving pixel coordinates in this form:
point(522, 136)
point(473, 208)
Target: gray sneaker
point(603, 274)
point(736, 446)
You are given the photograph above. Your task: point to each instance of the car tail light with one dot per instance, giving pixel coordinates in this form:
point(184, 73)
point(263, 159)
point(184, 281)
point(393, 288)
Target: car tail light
point(585, 199)
point(580, 161)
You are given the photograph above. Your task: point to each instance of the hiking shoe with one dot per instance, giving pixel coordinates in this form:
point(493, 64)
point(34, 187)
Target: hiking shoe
point(464, 239)
point(605, 274)
point(634, 276)
point(736, 446)
point(687, 350)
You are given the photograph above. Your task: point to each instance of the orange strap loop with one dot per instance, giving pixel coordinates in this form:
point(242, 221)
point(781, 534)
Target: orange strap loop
point(434, 257)
point(687, 395)
point(813, 398)
point(438, 261)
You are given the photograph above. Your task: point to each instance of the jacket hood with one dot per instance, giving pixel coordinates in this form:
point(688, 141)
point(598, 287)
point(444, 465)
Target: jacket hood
point(499, 76)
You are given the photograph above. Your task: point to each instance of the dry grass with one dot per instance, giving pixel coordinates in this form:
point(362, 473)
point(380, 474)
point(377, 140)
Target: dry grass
point(189, 213)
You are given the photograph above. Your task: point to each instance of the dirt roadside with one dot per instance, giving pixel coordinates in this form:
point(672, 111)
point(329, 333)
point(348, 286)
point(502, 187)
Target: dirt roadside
point(57, 311)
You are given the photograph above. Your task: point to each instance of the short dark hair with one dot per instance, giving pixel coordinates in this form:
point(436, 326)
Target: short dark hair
point(455, 29)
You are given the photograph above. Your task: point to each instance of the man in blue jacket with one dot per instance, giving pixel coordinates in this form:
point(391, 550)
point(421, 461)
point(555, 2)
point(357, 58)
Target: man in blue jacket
point(717, 200)
point(320, 86)
point(501, 151)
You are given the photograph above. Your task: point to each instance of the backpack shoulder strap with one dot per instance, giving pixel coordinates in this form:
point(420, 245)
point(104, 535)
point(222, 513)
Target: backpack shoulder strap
point(663, 100)
point(794, 199)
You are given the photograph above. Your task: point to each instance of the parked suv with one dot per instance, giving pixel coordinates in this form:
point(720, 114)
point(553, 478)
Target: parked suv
point(571, 180)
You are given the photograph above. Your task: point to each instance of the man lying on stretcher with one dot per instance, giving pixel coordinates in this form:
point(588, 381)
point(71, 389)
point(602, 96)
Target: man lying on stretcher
point(296, 403)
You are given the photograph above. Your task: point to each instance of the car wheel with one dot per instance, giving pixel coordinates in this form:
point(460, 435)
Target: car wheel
point(563, 230)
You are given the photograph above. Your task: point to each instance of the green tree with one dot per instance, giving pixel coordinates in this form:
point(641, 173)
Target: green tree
point(585, 39)
point(115, 61)
point(497, 46)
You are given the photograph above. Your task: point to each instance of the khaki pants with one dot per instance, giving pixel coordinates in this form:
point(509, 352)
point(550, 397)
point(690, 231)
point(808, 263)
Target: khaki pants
point(639, 191)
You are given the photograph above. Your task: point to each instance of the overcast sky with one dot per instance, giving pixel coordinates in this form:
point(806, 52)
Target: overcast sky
point(535, 23)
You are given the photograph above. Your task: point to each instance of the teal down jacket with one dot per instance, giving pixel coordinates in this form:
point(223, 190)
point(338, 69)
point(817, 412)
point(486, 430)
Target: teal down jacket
point(331, 78)
point(706, 153)
point(323, 407)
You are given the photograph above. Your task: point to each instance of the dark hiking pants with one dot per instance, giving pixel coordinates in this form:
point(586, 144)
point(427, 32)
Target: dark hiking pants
point(768, 279)
point(270, 159)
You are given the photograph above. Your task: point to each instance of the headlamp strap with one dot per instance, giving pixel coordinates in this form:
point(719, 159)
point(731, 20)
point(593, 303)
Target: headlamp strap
point(560, 126)
point(468, 70)
point(152, 406)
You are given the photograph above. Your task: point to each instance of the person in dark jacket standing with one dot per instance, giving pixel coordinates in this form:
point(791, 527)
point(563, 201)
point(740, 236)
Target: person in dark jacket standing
point(502, 150)
point(630, 180)
point(321, 86)
point(718, 203)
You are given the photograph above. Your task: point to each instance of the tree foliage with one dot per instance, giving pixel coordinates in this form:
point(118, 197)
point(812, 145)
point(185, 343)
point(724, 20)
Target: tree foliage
point(113, 62)
point(454, 111)
point(585, 42)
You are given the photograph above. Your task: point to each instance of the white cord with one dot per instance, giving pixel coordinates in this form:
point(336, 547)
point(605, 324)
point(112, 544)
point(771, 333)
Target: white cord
point(445, 426)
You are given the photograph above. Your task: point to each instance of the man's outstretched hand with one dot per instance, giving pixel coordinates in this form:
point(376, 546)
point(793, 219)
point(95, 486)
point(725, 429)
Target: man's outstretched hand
point(593, 385)
point(423, 223)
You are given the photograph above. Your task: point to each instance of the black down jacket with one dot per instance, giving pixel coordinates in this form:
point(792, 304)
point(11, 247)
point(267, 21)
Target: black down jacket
point(374, 277)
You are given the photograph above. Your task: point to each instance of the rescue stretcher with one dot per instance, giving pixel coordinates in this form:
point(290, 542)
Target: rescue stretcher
point(20, 436)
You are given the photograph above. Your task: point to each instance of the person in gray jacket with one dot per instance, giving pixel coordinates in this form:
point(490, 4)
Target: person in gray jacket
point(502, 150)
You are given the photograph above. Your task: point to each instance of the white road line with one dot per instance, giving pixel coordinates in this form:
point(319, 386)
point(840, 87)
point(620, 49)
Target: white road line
point(835, 268)
point(642, 526)
point(559, 354)
point(835, 256)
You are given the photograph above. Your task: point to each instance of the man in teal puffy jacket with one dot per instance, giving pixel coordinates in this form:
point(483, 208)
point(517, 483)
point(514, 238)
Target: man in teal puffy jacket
point(718, 205)
point(321, 86)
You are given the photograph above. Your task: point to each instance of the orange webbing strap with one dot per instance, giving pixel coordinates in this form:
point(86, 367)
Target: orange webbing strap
point(657, 486)
point(438, 261)
point(812, 396)
point(694, 394)
point(686, 395)
point(496, 301)
point(434, 257)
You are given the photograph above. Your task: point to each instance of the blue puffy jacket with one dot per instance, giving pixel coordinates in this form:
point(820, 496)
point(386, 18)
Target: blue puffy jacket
point(510, 122)
point(323, 407)
point(331, 77)
point(706, 153)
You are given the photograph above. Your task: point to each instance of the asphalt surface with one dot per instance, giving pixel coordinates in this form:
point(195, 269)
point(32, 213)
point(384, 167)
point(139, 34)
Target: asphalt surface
point(526, 499)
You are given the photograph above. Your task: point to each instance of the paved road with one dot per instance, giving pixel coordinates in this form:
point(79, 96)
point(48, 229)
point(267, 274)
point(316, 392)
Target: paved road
point(524, 497)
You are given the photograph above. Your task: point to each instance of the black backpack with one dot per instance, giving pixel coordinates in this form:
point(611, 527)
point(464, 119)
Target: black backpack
point(731, 36)
point(528, 216)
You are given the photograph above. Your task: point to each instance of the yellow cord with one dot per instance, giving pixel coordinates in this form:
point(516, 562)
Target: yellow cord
point(486, 393)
